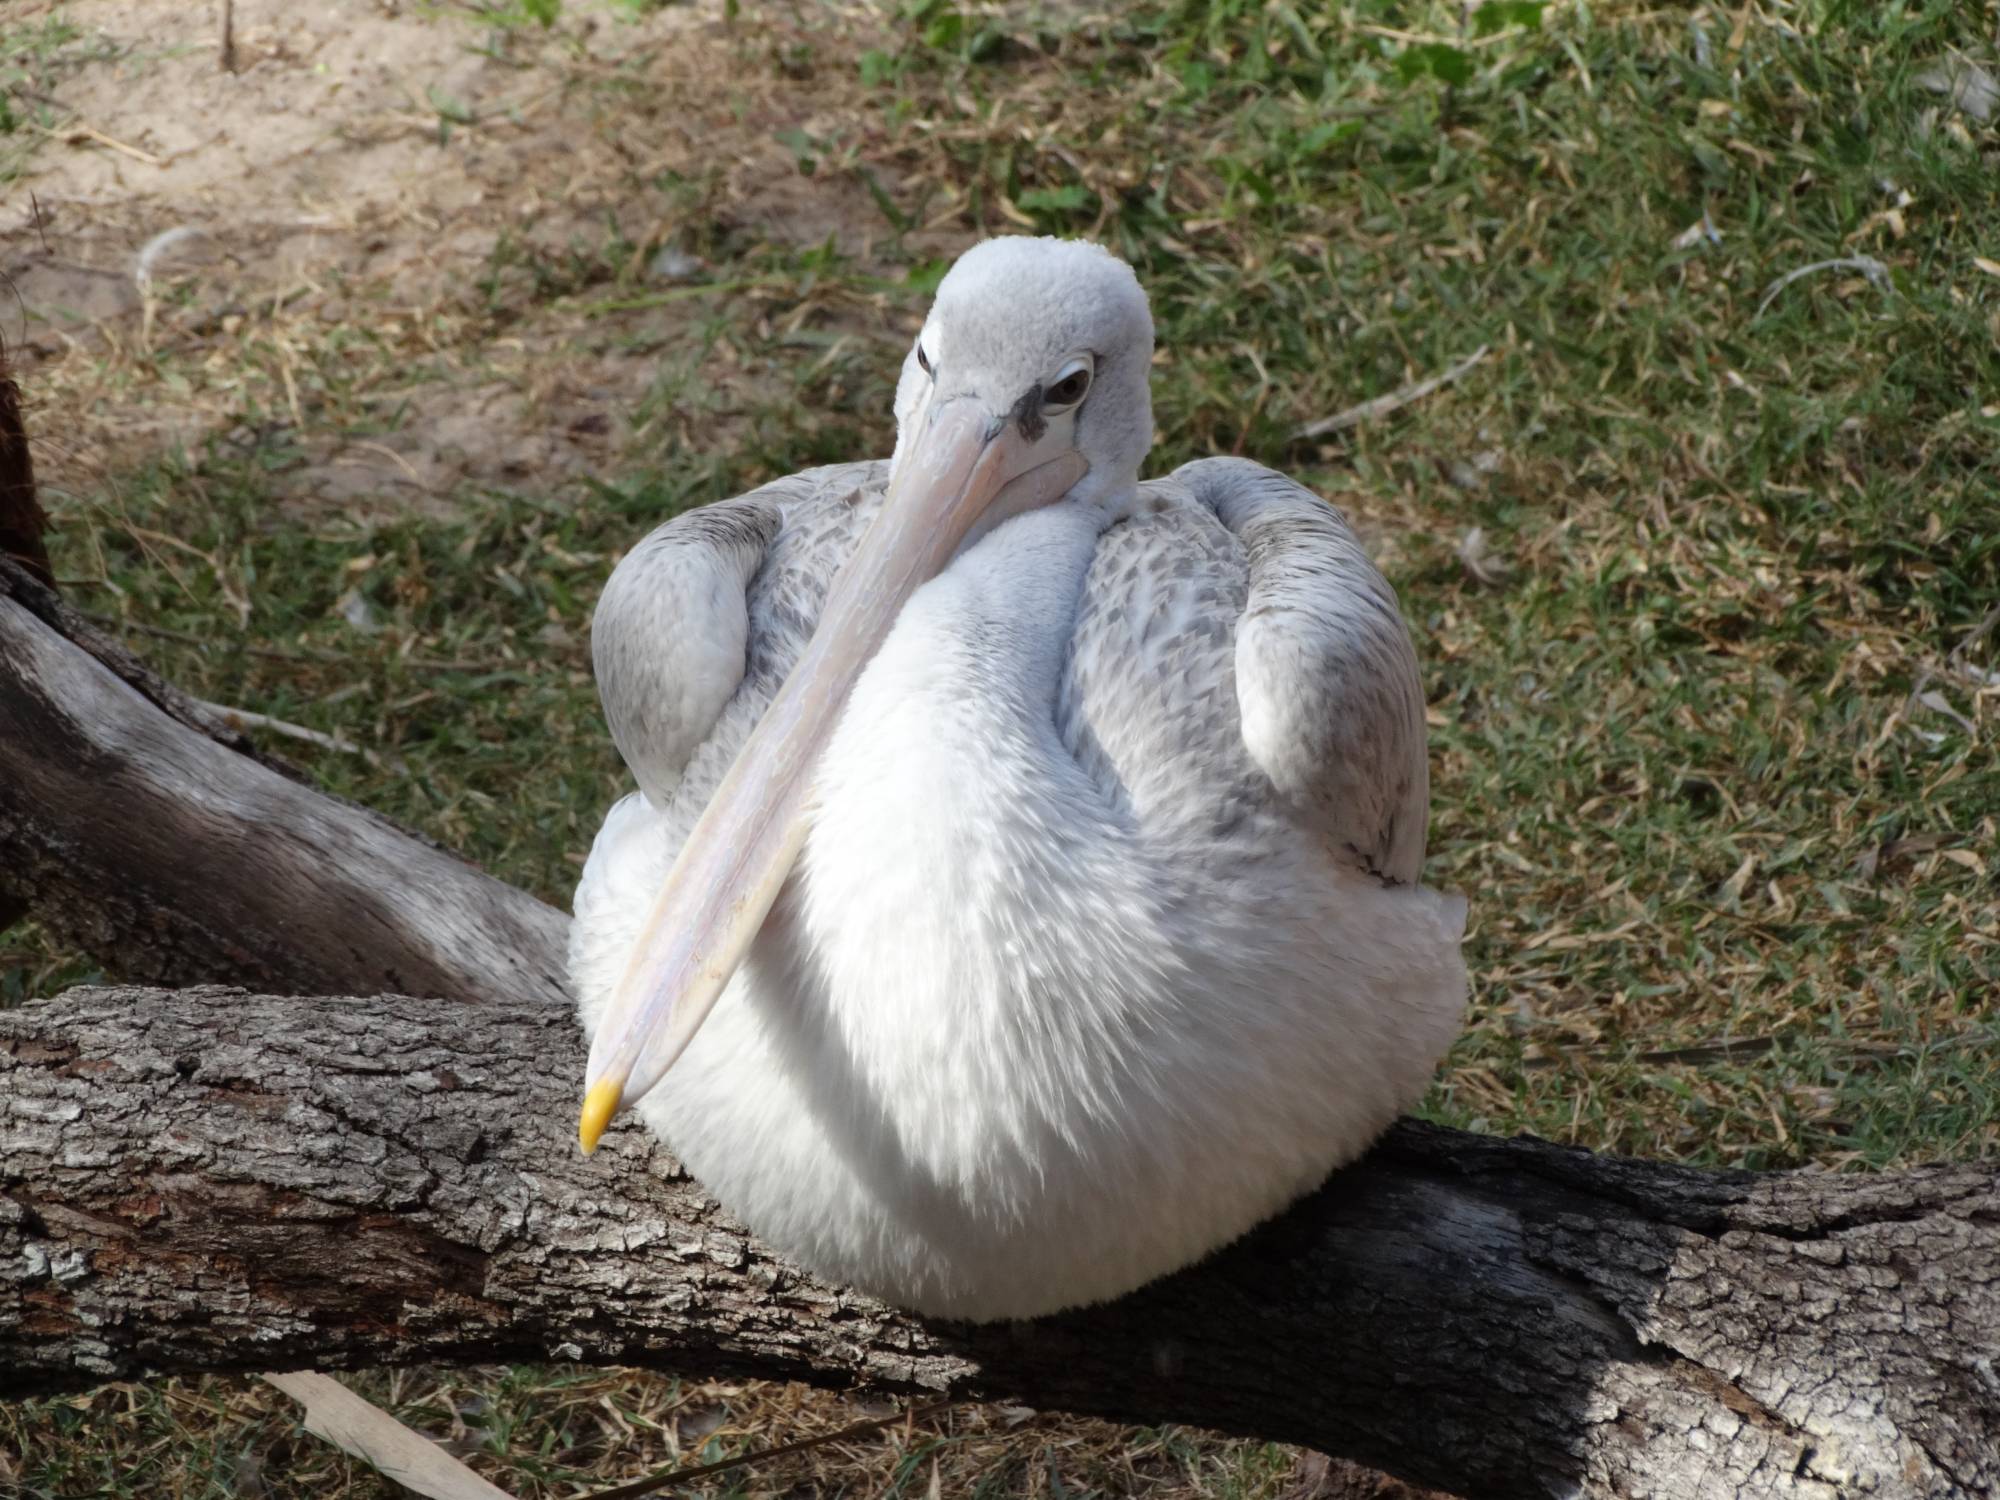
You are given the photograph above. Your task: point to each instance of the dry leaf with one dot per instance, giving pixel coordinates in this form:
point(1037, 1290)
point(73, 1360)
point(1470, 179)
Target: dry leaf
point(1731, 893)
point(1970, 86)
point(410, 1459)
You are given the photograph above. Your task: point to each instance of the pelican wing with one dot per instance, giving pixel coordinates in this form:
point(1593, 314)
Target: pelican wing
point(1327, 682)
point(713, 607)
point(702, 620)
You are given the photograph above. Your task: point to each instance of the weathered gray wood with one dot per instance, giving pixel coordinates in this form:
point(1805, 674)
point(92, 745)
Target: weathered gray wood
point(211, 1180)
point(169, 849)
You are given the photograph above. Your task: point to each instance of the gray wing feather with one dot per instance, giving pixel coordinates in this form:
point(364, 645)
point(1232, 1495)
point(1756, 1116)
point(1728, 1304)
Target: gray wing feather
point(716, 600)
point(702, 620)
point(1326, 678)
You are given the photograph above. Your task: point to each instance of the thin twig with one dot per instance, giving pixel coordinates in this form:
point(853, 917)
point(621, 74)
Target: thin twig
point(69, 133)
point(1381, 406)
point(1979, 633)
point(659, 1482)
point(229, 36)
point(244, 718)
point(1749, 1049)
point(1867, 265)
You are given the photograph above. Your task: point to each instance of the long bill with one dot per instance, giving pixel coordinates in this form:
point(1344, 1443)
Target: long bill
point(964, 464)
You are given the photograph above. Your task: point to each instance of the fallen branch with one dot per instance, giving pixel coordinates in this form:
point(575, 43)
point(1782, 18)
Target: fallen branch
point(214, 1181)
point(155, 838)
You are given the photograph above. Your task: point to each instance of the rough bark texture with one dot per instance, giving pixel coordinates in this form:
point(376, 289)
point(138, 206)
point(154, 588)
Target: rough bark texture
point(170, 849)
point(22, 520)
point(211, 1180)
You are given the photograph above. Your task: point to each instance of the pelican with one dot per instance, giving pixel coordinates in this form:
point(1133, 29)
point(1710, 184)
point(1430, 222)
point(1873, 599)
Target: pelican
point(1022, 880)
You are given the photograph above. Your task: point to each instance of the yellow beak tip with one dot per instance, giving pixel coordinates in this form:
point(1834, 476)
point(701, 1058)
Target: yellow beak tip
point(599, 1105)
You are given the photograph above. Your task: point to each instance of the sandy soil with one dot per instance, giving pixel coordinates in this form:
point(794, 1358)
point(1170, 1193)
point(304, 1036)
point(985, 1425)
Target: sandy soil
point(357, 172)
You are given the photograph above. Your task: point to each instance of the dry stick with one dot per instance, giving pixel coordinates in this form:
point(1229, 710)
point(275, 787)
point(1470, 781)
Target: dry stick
point(1748, 1048)
point(229, 36)
point(659, 1482)
point(1381, 406)
point(244, 718)
point(70, 134)
point(1867, 265)
point(400, 1454)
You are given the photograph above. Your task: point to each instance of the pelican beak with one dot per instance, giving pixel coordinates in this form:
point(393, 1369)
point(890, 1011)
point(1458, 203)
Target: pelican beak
point(963, 467)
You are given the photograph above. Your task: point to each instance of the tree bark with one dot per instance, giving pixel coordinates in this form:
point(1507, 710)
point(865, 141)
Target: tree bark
point(22, 519)
point(212, 1180)
point(22, 522)
point(168, 847)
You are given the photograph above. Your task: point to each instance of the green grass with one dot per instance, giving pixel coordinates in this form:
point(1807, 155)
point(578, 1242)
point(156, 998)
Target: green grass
point(1680, 761)
point(30, 56)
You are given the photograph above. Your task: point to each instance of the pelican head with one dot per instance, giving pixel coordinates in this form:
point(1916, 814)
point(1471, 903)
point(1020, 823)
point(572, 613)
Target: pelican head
point(1027, 387)
point(1049, 344)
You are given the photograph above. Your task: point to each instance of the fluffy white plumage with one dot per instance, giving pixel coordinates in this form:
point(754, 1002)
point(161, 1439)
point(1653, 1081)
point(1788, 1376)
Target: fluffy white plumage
point(1105, 943)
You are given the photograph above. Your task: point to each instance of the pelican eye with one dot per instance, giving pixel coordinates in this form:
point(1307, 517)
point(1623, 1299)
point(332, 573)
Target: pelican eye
point(1068, 389)
point(924, 362)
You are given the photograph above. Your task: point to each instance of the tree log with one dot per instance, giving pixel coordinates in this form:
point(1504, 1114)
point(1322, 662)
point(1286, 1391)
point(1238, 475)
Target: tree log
point(210, 1180)
point(166, 846)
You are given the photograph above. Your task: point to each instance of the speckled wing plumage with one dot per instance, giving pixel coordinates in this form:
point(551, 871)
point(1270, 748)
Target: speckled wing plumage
point(1232, 635)
point(1237, 655)
point(1326, 677)
point(702, 620)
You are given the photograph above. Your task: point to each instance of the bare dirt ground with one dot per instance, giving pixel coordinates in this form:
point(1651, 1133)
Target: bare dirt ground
point(371, 211)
